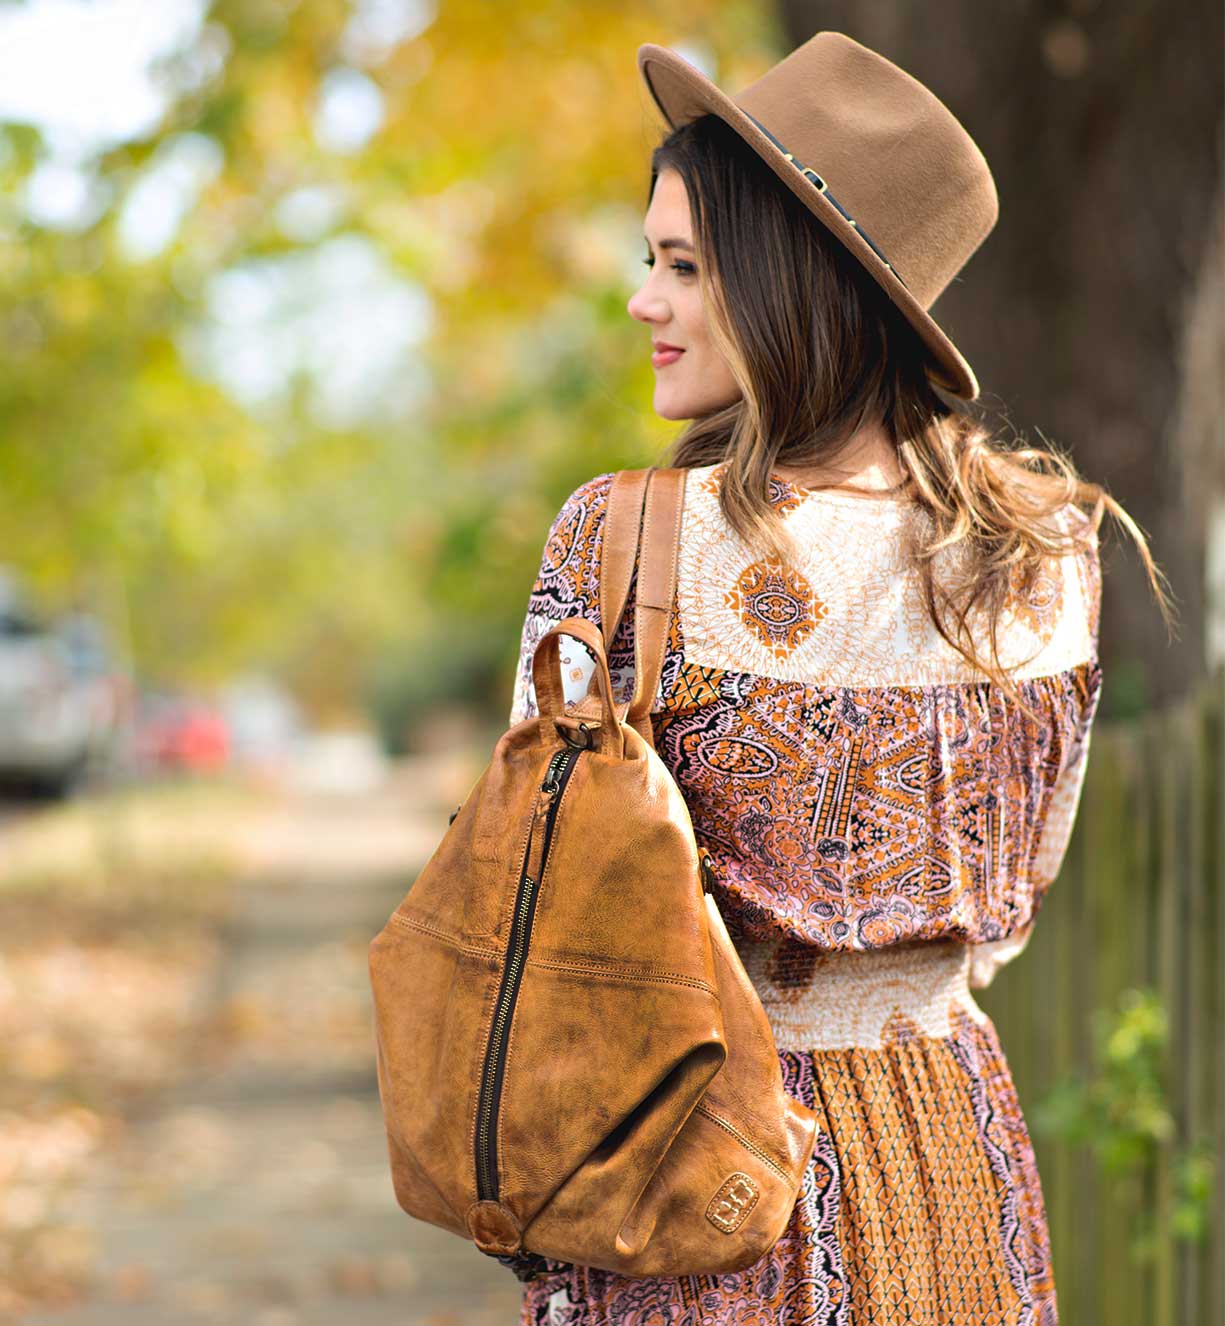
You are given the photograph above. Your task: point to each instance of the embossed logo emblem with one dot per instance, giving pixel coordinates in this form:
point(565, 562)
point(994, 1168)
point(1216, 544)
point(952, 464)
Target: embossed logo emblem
point(729, 1208)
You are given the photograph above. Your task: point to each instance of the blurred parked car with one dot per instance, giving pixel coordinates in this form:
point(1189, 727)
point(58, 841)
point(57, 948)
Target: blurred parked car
point(105, 684)
point(61, 697)
point(265, 724)
point(173, 731)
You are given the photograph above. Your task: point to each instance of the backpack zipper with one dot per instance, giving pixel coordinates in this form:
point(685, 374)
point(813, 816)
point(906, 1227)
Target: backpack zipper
point(555, 779)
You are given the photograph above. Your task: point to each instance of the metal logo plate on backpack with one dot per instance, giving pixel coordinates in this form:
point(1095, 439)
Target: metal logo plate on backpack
point(729, 1208)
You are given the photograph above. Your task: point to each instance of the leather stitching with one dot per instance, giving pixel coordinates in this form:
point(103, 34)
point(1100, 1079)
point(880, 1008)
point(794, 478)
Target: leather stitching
point(409, 923)
point(728, 1127)
point(627, 974)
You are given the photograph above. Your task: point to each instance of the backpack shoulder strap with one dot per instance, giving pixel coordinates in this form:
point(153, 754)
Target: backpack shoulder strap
point(619, 546)
point(641, 523)
point(661, 533)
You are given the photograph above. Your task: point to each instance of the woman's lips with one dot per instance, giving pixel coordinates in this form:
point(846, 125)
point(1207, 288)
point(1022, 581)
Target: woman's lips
point(663, 357)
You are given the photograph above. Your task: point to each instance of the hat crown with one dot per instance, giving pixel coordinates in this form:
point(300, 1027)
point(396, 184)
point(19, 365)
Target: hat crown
point(891, 152)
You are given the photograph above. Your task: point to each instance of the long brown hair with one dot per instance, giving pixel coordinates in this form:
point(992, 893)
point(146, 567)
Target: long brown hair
point(819, 352)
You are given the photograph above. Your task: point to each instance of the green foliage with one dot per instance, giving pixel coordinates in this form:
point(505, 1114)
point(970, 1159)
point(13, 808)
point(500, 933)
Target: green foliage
point(1130, 692)
point(212, 536)
point(1119, 1109)
point(454, 667)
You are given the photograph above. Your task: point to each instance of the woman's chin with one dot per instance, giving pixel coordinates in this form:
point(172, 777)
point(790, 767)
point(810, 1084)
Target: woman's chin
point(670, 404)
point(671, 401)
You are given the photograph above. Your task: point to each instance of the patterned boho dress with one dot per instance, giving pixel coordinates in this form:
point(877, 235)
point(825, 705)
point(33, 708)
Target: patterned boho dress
point(884, 824)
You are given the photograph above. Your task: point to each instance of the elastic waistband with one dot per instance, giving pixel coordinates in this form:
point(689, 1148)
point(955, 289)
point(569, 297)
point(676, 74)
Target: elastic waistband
point(836, 1000)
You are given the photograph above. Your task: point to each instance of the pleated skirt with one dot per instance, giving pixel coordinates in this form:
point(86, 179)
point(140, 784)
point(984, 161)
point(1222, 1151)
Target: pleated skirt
point(922, 1202)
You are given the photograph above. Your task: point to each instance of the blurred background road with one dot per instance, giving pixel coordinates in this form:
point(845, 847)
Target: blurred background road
point(230, 1165)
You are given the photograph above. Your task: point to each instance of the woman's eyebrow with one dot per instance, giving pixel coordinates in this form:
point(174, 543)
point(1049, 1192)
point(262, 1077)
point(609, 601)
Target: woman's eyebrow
point(674, 243)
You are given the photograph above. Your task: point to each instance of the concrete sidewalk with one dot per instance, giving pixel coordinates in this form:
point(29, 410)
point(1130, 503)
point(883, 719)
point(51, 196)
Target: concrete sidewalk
point(258, 1193)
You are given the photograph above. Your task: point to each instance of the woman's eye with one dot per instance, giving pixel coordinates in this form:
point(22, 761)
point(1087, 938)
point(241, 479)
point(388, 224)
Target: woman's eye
point(685, 268)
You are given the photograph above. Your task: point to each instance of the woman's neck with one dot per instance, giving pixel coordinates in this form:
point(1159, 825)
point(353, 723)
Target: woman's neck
point(870, 461)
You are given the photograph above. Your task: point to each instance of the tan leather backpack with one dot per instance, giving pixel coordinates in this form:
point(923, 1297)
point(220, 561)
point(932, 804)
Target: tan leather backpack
point(571, 1059)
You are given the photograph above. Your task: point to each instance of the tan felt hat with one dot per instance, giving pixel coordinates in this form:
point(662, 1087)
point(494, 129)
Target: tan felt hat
point(878, 158)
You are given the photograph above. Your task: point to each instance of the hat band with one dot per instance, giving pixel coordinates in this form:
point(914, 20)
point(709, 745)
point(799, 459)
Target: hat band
point(822, 187)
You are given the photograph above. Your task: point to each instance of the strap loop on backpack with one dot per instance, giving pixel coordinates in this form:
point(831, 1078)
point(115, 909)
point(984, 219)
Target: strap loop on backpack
point(550, 693)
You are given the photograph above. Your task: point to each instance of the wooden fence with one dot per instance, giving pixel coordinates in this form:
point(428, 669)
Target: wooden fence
point(1138, 905)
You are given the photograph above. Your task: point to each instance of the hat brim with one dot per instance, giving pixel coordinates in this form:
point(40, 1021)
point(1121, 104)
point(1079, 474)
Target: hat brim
point(682, 93)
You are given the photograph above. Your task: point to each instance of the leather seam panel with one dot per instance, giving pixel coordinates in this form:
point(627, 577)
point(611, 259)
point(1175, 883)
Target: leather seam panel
point(627, 974)
point(707, 1113)
point(410, 923)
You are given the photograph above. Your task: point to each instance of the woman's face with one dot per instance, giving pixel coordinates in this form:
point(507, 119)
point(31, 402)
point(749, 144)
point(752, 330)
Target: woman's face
point(698, 380)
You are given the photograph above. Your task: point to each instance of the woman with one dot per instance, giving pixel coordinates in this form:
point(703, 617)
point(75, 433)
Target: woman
point(880, 679)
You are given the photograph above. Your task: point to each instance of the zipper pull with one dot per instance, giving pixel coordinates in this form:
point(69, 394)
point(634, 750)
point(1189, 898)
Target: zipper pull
point(550, 784)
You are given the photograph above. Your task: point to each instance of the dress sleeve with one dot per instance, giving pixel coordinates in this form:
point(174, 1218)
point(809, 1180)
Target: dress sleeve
point(568, 585)
point(986, 959)
point(1064, 799)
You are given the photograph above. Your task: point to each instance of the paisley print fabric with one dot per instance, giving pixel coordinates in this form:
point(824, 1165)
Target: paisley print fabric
point(883, 824)
point(921, 1203)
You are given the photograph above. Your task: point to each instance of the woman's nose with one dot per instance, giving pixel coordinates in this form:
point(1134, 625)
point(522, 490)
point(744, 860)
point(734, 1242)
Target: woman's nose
point(644, 306)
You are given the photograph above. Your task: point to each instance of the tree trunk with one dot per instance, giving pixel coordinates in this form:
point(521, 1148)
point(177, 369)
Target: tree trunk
point(1093, 312)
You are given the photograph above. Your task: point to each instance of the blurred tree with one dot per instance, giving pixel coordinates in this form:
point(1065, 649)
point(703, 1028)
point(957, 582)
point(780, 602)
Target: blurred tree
point(1094, 314)
point(497, 170)
point(322, 423)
